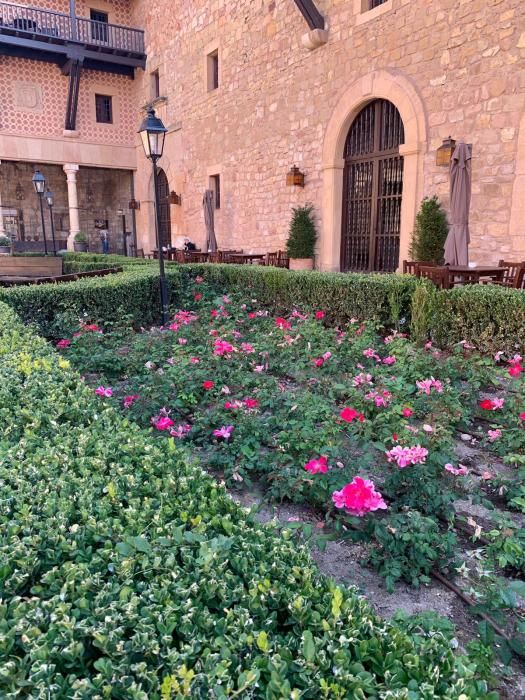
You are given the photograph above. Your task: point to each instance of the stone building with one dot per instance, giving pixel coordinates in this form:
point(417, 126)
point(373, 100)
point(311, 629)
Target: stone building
point(68, 108)
point(357, 94)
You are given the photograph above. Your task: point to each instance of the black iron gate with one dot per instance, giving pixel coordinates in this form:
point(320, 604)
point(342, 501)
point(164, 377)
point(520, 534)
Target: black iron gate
point(372, 190)
point(164, 208)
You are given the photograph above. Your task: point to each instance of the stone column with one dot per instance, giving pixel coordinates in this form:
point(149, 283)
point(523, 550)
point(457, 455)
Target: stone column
point(330, 241)
point(71, 170)
point(2, 229)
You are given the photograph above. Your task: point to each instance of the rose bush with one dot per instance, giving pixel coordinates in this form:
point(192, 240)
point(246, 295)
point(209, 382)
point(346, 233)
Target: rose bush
point(127, 572)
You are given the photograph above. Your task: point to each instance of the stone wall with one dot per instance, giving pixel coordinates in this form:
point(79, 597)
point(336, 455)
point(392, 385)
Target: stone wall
point(462, 60)
point(33, 99)
point(101, 193)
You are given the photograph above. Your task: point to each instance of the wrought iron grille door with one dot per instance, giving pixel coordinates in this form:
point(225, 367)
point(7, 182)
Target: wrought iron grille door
point(372, 190)
point(164, 208)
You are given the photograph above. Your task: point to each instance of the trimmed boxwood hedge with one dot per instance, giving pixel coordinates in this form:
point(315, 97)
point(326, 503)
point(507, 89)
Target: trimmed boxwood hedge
point(127, 572)
point(54, 309)
point(489, 317)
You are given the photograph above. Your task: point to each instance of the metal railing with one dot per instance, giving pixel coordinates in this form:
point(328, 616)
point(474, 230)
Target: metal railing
point(24, 21)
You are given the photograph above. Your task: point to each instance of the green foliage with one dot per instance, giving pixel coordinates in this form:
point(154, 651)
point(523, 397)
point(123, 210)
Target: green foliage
point(126, 572)
point(409, 546)
point(430, 233)
point(302, 234)
point(80, 238)
point(489, 317)
point(54, 309)
point(343, 296)
point(423, 301)
point(5, 241)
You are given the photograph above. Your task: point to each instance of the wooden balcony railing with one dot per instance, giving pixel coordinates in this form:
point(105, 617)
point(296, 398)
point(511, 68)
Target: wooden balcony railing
point(47, 25)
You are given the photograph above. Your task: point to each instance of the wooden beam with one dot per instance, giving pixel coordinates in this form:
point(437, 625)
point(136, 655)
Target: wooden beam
point(314, 19)
point(75, 72)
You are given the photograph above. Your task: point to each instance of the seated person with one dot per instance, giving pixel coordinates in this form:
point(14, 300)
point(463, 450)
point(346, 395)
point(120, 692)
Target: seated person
point(188, 245)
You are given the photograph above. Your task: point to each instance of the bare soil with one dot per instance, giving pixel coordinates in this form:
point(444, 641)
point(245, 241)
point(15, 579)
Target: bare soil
point(341, 561)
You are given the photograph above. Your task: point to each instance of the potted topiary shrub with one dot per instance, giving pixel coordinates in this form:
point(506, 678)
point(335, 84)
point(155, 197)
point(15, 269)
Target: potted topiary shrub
point(430, 233)
point(5, 245)
point(80, 243)
point(301, 238)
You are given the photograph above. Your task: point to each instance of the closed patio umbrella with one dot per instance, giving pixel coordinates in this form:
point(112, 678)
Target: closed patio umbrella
point(458, 239)
point(207, 203)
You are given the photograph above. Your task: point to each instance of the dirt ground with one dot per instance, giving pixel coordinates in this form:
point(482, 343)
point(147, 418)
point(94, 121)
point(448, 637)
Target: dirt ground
point(341, 561)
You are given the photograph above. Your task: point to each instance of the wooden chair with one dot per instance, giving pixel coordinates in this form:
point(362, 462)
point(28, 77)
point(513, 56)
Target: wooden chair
point(272, 259)
point(180, 257)
point(140, 252)
point(410, 266)
point(215, 257)
point(514, 276)
point(284, 260)
point(440, 276)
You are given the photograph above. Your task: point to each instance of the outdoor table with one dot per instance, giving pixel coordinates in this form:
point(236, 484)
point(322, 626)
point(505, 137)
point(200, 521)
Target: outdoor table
point(196, 256)
point(470, 275)
point(248, 258)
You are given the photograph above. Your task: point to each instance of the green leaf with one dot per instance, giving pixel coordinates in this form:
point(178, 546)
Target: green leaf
point(262, 641)
point(308, 646)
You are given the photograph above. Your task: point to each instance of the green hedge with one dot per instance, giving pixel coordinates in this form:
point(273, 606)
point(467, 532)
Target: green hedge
point(54, 309)
point(126, 572)
point(489, 317)
point(386, 298)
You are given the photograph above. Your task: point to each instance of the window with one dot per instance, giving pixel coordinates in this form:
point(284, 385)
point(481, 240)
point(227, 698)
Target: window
point(104, 109)
point(99, 29)
point(375, 3)
point(215, 186)
point(213, 70)
point(155, 84)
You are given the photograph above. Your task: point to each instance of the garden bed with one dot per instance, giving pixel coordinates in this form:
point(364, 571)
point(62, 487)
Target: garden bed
point(127, 572)
point(304, 408)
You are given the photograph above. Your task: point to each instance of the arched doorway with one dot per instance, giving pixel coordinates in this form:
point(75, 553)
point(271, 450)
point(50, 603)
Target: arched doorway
point(372, 190)
point(164, 208)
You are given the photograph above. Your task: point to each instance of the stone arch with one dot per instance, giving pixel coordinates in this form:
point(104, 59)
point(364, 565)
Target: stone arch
point(517, 208)
point(147, 213)
point(399, 90)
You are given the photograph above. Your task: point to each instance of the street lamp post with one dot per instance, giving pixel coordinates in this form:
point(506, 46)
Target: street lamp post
point(39, 183)
point(120, 212)
point(153, 132)
point(49, 199)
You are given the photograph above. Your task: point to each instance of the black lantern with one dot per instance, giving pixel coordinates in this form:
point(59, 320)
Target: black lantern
point(48, 196)
point(39, 183)
point(19, 192)
point(152, 132)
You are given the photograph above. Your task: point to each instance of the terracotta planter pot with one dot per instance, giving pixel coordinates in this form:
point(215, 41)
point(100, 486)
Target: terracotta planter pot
point(301, 264)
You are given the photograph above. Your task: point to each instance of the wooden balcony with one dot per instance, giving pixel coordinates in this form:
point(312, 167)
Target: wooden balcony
point(53, 36)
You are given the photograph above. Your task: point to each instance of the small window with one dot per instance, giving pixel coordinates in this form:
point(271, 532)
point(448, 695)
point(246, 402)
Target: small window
point(99, 21)
point(375, 3)
point(104, 109)
point(215, 186)
point(155, 85)
point(213, 70)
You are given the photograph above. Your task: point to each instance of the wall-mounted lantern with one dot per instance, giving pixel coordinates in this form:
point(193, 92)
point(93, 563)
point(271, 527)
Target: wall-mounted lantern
point(445, 151)
point(134, 204)
point(175, 198)
point(295, 177)
point(19, 192)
